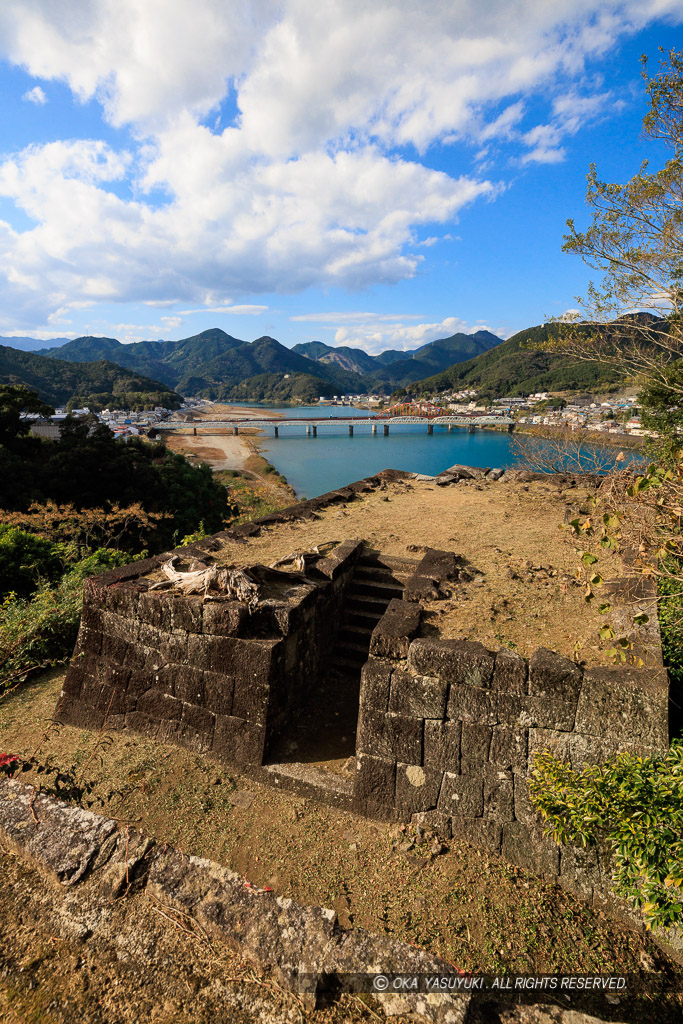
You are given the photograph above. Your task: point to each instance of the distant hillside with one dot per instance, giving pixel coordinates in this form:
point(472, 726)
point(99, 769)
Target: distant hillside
point(393, 368)
point(210, 364)
point(435, 356)
point(352, 359)
point(97, 384)
point(510, 370)
point(32, 344)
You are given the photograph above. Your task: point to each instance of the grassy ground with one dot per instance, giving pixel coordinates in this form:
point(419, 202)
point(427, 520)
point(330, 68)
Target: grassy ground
point(473, 910)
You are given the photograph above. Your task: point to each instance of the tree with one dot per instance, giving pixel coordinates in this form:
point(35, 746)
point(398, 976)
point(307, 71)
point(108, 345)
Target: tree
point(634, 318)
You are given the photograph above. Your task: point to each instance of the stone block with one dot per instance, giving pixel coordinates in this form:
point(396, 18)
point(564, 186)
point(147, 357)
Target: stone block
point(159, 705)
point(579, 870)
point(438, 565)
point(498, 794)
point(186, 613)
point(433, 821)
point(510, 672)
point(73, 681)
point(69, 839)
point(119, 625)
point(535, 712)
point(633, 705)
point(390, 736)
point(375, 682)
point(237, 741)
point(173, 648)
point(392, 635)
point(121, 599)
point(417, 789)
point(553, 676)
point(248, 660)
point(527, 848)
point(114, 648)
point(462, 796)
point(558, 743)
point(478, 832)
point(421, 588)
point(154, 607)
point(138, 721)
point(475, 745)
point(525, 811)
point(374, 787)
point(472, 704)
point(92, 616)
point(218, 692)
point(419, 696)
point(189, 684)
point(509, 747)
point(250, 700)
point(455, 661)
point(442, 745)
point(340, 559)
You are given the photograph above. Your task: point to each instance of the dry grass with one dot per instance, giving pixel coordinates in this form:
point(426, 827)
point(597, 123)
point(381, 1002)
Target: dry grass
point(472, 909)
point(524, 592)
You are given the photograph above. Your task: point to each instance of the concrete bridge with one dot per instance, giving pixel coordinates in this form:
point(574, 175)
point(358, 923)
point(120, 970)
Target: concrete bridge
point(311, 425)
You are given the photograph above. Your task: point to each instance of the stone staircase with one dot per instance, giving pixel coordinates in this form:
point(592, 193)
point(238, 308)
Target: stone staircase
point(317, 759)
point(377, 578)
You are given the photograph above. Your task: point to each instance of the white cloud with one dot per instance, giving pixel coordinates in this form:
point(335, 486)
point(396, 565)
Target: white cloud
point(35, 95)
point(306, 186)
point(238, 310)
point(374, 332)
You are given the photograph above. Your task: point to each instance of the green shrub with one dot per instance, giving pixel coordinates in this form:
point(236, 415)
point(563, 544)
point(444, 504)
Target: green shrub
point(41, 631)
point(634, 806)
point(25, 560)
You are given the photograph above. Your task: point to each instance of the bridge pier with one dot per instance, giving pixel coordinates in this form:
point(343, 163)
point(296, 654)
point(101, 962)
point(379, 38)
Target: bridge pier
point(276, 432)
point(386, 430)
point(315, 431)
point(236, 431)
point(471, 428)
point(430, 428)
point(511, 427)
point(374, 428)
point(350, 430)
point(450, 427)
point(194, 431)
point(308, 430)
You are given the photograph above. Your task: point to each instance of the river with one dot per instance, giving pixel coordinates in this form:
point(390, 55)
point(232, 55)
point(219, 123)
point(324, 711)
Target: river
point(314, 465)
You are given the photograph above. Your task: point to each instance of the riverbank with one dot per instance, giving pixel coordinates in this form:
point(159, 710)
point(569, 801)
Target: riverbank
point(256, 487)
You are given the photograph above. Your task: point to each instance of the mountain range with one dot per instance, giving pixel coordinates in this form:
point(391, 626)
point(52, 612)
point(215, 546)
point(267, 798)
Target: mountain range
point(215, 365)
point(98, 385)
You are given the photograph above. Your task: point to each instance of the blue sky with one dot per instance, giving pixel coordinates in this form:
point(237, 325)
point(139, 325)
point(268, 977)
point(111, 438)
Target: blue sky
point(375, 175)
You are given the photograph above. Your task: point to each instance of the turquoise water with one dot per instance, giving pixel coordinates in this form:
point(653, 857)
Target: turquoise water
point(314, 465)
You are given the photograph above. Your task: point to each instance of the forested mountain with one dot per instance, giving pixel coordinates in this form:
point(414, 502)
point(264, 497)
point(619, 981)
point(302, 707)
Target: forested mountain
point(98, 384)
point(352, 359)
point(395, 368)
point(510, 369)
point(211, 364)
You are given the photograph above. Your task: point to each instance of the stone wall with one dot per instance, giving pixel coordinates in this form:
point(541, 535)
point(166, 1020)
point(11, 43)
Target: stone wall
point(448, 729)
point(208, 675)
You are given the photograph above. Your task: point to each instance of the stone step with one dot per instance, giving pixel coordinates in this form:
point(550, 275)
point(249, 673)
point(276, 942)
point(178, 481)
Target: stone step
point(393, 562)
point(361, 619)
point(378, 573)
point(366, 603)
point(348, 665)
point(375, 588)
point(361, 633)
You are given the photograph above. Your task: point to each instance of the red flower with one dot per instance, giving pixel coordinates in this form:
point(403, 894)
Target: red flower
point(8, 760)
